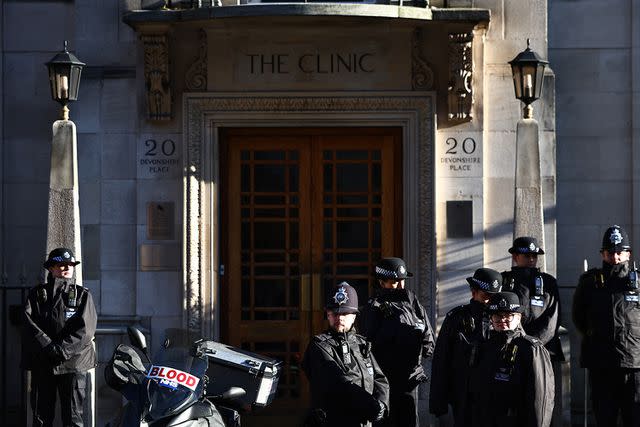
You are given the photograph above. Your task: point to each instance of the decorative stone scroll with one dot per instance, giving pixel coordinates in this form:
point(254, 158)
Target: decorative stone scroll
point(196, 76)
point(205, 113)
point(460, 88)
point(421, 72)
point(156, 75)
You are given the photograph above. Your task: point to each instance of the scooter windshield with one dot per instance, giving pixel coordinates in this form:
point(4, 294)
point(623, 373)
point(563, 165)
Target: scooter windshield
point(175, 382)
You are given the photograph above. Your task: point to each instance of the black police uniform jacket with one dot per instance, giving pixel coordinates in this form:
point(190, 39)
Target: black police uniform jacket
point(49, 317)
point(541, 317)
point(606, 312)
point(455, 357)
point(513, 384)
point(345, 379)
point(400, 333)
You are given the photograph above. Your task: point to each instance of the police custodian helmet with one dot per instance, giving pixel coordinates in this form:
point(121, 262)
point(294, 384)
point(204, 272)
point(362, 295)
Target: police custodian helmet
point(615, 239)
point(60, 256)
point(486, 279)
point(343, 299)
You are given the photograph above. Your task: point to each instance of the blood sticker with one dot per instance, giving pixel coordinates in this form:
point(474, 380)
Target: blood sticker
point(175, 377)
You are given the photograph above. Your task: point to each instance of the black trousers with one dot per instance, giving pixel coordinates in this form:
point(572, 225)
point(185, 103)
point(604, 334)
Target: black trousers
point(615, 391)
point(403, 411)
point(71, 389)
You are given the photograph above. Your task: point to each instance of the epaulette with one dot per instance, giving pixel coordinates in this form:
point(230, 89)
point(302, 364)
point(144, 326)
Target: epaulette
point(361, 338)
point(373, 301)
point(594, 276)
point(533, 340)
point(322, 337)
point(455, 310)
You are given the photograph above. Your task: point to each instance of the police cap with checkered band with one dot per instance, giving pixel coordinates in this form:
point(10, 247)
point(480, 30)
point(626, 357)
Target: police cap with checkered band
point(615, 239)
point(343, 299)
point(486, 279)
point(526, 245)
point(504, 302)
point(392, 269)
point(60, 256)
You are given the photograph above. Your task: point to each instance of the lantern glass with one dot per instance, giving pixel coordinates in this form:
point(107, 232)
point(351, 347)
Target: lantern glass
point(539, 78)
point(517, 80)
point(64, 76)
point(528, 80)
point(528, 74)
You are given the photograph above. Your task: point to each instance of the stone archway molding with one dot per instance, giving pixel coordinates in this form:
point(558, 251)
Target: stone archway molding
point(205, 113)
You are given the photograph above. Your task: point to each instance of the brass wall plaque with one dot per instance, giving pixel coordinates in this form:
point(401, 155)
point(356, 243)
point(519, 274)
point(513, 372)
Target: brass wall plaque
point(161, 220)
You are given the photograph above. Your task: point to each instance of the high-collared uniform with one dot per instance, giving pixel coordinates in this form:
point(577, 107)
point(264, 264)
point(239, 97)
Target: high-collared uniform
point(347, 384)
point(513, 383)
point(606, 312)
point(456, 355)
point(398, 327)
point(539, 297)
point(59, 326)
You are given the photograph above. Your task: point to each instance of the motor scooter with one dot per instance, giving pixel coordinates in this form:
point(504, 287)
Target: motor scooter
point(171, 390)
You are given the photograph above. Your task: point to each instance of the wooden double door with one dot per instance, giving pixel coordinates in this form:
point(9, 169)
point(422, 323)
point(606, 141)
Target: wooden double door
point(303, 209)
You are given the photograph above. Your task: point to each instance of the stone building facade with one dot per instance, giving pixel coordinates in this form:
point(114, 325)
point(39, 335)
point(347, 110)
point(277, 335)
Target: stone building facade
point(235, 160)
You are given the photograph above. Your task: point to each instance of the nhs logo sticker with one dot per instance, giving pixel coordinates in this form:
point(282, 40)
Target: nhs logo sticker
point(167, 383)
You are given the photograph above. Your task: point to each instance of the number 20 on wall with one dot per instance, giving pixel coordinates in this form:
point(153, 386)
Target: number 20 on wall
point(468, 146)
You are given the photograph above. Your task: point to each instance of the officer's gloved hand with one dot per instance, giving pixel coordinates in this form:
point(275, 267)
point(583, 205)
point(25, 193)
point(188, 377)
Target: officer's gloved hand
point(416, 380)
point(381, 413)
point(54, 354)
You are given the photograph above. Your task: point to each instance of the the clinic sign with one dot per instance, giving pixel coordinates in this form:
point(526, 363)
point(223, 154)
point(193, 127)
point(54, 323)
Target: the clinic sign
point(310, 63)
point(332, 60)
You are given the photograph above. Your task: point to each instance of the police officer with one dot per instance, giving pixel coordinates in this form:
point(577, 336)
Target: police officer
point(348, 388)
point(538, 292)
point(59, 326)
point(606, 312)
point(456, 354)
point(513, 384)
point(400, 333)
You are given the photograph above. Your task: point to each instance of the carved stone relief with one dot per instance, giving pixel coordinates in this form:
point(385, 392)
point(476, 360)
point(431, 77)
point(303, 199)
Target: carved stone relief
point(196, 76)
point(421, 73)
point(156, 76)
point(205, 113)
point(460, 90)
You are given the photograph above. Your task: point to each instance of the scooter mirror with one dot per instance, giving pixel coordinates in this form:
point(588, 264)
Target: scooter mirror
point(233, 393)
point(137, 338)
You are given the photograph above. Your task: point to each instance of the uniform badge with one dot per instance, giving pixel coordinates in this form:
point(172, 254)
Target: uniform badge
point(631, 296)
point(616, 237)
point(532, 247)
point(341, 296)
point(537, 301)
point(402, 270)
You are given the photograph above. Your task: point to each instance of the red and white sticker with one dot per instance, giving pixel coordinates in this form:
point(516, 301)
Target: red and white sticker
point(176, 376)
